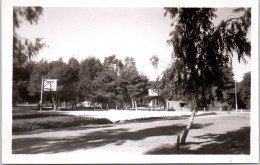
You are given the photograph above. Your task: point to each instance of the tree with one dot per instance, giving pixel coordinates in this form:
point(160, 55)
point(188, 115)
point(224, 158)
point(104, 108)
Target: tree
point(226, 88)
point(244, 91)
point(23, 49)
point(59, 70)
point(107, 81)
point(89, 70)
point(64, 74)
point(132, 84)
point(39, 71)
point(74, 66)
point(201, 49)
point(73, 84)
point(20, 83)
point(139, 88)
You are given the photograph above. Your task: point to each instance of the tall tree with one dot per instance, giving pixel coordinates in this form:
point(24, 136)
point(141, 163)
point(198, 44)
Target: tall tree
point(138, 89)
point(89, 70)
point(62, 72)
point(73, 84)
point(23, 48)
point(107, 81)
point(201, 49)
point(225, 91)
point(244, 90)
point(133, 85)
point(20, 83)
point(39, 71)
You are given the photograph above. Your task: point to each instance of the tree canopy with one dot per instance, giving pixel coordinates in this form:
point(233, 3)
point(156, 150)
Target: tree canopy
point(23, 49)
point(111, 83)
point(133, 84)
point(244, 91)
point(65, 75)
point(201, 49)
point(89, 70)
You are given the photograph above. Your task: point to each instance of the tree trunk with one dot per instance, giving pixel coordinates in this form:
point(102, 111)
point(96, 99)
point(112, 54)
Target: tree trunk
point(39, 105)
point(178, 143)
point(186, 131)
point(53, 102)
point(135, 105)
point(155, 104)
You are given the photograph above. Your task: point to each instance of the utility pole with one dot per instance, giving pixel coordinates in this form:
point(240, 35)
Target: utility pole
point(236, 95)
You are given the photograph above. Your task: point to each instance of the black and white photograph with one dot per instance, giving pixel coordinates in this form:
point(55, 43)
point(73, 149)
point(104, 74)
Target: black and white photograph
point(130, 83)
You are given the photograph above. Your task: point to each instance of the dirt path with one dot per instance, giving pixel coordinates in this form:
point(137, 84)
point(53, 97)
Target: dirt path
point(216, 134)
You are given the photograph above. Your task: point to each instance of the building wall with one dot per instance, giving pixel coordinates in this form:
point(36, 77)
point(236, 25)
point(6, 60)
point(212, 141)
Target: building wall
point(176, 106)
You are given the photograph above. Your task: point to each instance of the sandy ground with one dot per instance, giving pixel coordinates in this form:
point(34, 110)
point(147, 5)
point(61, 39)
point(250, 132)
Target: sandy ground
point(119, 115)
point(215, 134)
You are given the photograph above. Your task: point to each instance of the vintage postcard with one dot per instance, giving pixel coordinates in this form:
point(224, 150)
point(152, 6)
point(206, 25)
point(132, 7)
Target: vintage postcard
point(120, 81)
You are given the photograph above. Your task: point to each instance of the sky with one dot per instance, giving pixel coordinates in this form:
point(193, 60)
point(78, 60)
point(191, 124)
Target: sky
point(101, 32)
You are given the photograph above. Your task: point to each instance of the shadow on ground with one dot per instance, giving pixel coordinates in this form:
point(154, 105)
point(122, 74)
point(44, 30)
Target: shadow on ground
point(235, 142)
point(93, 139)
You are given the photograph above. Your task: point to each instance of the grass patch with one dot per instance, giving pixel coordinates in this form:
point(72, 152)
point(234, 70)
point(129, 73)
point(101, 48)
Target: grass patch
point(31, 114)
point(31, 120)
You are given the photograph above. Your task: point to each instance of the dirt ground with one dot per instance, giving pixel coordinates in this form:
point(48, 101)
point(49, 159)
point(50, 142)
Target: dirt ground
point(120, 115)
point(214, 134)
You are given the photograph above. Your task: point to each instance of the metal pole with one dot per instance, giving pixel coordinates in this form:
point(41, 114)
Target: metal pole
point(236, 95)
point(41, 96)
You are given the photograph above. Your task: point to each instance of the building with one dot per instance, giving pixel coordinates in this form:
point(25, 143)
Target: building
point(177, 105)
point(157, 103)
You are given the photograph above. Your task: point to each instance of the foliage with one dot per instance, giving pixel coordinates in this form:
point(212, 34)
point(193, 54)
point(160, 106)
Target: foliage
point(225, 91)
point(89, 70)
point(74, 66)
point(72, 86)
point(107, 81)
point(119, 83)
point(201, 50)
point(244, 91)
point(154, 60)
point(31, 14)
point(23, 49)
point(133, 84)
point(39, 71)
point(110, 82)
point(20, 82)
point(66, 75)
